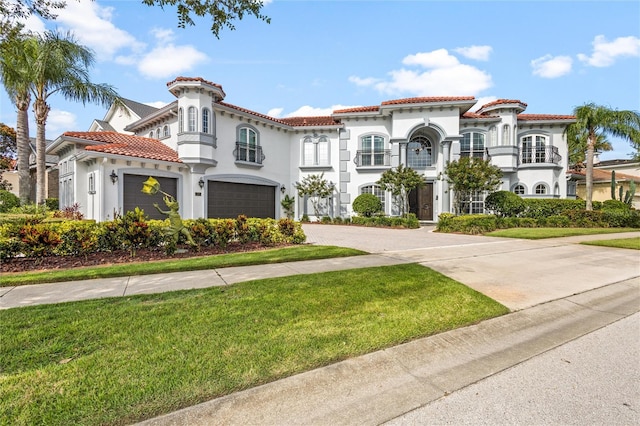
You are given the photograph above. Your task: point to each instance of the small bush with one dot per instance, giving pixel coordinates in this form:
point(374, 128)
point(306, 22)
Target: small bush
point(305, 218)
point(8, 201)
point(52, 204)
point(468, 224)
point(367, 205)
point(326, 219)
point(615, 205)
point(504, 204)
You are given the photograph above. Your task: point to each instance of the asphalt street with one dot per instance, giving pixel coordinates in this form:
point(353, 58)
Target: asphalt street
point(593, 380)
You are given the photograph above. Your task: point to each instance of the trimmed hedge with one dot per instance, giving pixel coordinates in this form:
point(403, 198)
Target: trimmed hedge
point(408, 221)
point(133, 231)
point(482, 223)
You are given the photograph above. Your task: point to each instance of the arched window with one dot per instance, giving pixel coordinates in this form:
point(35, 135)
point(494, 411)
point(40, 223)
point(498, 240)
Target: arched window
point(541, 189)
point(165, 131)
point(519, 189)
point(377, 191)
point(493, 136)
point(192, 119)
point(506, 135)
point(372, 151)
point(158, 133)
point(206, 120)
point(419, 152)
point(180, 120)
point(151, 134)
point(247, 148)
point(315, 151)
point(534, 149)
point(472, 145)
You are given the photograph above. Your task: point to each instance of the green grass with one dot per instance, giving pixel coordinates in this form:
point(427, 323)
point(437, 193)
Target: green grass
point(121, 360)
point(541, 233)
point(287, 254)
point(627, 243)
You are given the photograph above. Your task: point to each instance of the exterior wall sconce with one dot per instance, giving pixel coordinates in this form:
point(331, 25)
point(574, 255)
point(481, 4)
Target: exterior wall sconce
point(201, 183)
point(440, 176)
point(113, 176)
point(283, 189)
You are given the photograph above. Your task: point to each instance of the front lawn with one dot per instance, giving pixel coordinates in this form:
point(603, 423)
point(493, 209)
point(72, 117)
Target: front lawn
point(287, 254)
point(541, 233)
point(121, 360)
point(627, 243)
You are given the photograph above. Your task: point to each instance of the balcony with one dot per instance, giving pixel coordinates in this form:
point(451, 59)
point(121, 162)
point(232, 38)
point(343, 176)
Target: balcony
point(541, 155)
point(247, 154)
point(373, 159)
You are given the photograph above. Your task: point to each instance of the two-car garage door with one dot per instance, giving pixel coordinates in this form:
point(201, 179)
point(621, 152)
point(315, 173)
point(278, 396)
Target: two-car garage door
point(229, 199)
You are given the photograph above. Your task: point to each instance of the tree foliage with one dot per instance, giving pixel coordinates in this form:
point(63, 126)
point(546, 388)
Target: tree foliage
point(400, 181)
point(8, 150)
point(317, 188)
point(594, 120)
point(367, 205)
point(468, 176)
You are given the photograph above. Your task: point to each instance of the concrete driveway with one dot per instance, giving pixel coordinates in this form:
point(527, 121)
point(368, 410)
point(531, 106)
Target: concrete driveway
point(517, 273)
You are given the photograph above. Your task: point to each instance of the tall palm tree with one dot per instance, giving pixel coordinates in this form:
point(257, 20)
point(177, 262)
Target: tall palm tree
point(14, 74)
point(60, 66)
point(593, 120)
point(578, 147)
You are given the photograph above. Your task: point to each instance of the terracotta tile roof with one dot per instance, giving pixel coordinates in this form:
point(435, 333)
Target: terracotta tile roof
point(425, 100)
point(129, 145)
point(357, 109)
point(476, 115)
point(544, 117)
point(310, 121)
point(199, 79)
point(248, 111)
point(503, 101)
point(600, 175)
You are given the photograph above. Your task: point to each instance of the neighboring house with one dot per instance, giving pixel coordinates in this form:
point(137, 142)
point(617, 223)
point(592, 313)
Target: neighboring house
point(221, 160)
point(602, 180)
point(51, 174)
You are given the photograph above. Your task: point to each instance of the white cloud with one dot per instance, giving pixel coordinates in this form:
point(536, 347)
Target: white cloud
point(437, 59)
point(163, 35)
point(445, 76)
point(605, 53)
point(92, 26)
point(275, 112)
point(552, 66)
point(170, 60)
point(60, 121)
point(479, 53)
point(309, 111)
point(156, 104)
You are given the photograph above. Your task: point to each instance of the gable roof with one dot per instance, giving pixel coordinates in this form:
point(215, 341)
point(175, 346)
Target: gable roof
point(127, 145)
point(141, 110)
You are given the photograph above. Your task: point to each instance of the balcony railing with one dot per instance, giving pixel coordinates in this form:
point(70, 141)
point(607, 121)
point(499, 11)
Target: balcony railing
point(542, 155)
point(248, 153)
point(373, 158)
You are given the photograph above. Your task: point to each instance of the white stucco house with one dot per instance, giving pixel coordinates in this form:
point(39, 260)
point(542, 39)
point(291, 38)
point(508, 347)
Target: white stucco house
point(221, 160)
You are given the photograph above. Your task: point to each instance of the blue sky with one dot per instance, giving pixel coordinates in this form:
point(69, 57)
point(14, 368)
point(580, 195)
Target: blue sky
point(316, 56)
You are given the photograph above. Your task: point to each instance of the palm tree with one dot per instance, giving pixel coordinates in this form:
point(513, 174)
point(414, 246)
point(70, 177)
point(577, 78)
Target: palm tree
point(59, 65)
point(593, 120)
point(578, 147)
point(14, 71)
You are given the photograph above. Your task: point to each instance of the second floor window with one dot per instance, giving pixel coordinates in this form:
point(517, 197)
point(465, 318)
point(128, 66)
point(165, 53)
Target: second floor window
point(472, 145)
point(192, 116)
point(247, 149)
point(165, 131)
point(315, 151)
point(533, 149)
point(419, 153)
point(180, 120)
point(372, 151)
point(205, 120)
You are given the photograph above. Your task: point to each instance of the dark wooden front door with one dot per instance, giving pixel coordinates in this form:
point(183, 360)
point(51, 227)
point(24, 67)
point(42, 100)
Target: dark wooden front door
point(421, 202)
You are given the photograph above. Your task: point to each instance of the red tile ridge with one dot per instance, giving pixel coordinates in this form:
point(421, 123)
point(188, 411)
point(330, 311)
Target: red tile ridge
point(199, 79)
point(429, 99)
point(544, 117)
point(503, 101)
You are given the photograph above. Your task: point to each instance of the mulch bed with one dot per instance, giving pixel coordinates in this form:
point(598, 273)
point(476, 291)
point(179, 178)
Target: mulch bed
point(117, 257)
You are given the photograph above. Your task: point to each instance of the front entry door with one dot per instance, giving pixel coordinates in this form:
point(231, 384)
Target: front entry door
point(421, 202)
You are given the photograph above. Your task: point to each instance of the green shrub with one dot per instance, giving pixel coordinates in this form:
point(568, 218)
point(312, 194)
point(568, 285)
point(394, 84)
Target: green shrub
point(305, 218)
point(504, 203)
point(614, 205)
point(326, 219)
point(337, 220)
point(39, 240)
point(287, 227)
point(366, 205)
point(586, 218)
point(52, 204)
point(76, 237)
point(8, 201)
point(537, 208)
point(468, 224)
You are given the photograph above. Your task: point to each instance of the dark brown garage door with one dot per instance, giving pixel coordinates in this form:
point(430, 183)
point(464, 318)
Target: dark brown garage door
point(134, 198)
point(228, 200)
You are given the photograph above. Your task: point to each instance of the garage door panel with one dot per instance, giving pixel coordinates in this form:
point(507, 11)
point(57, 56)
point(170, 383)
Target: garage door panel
point(133, 197)
point(229, 200)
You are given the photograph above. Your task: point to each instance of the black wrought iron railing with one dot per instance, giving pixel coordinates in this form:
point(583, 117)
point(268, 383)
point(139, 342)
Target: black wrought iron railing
point(373, 158)
point(547, 154)
point(249, 153)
